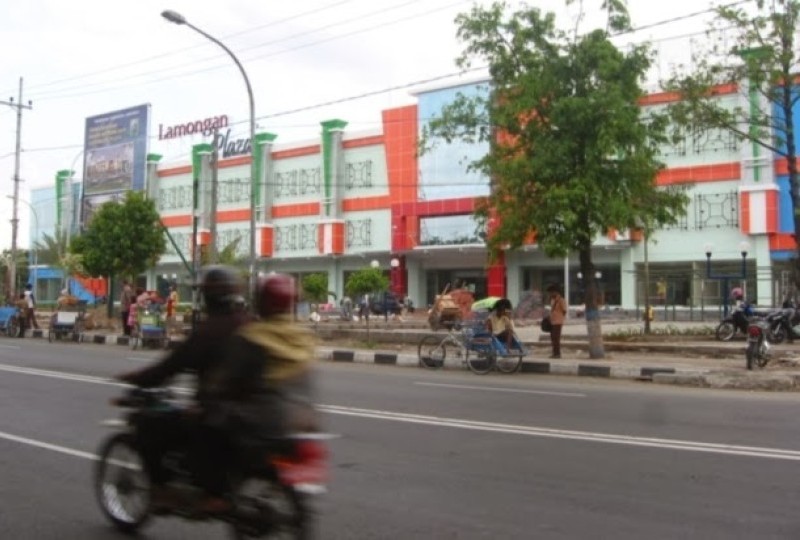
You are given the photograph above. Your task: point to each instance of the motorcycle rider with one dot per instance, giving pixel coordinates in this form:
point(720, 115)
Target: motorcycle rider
point(201, 353)
point(263, 389)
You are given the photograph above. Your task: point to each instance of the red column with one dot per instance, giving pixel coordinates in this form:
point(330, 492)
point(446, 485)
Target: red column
point(496, 277)
point(398, 276)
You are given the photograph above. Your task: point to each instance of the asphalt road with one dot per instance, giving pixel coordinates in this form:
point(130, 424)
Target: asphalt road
point(442, 454)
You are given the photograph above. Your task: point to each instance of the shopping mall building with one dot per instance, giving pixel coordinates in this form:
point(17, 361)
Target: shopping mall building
point(341, 202)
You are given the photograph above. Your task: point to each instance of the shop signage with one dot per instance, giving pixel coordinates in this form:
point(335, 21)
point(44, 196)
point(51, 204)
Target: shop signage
point(227, 146)
point(233, 147)
point(205, 126)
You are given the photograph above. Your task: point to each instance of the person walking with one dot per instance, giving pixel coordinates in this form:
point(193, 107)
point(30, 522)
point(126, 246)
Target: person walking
point(125, 302)
point(558, 311)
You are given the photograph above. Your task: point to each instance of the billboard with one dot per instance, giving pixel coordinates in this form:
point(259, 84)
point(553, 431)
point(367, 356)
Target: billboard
point(114, 153)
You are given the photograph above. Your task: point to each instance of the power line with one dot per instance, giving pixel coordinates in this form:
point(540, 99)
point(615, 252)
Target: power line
point(411, 84)
point(54, 94)
point(184, 49)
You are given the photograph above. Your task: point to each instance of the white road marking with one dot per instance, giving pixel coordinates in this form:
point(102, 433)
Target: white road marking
point(498, 389)
point(47, 446)
point(512, 429)
point(139, 359)
point(14, 347)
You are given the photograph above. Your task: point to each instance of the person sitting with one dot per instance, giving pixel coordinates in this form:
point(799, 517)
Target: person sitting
point(500, 324)
point(264, 388)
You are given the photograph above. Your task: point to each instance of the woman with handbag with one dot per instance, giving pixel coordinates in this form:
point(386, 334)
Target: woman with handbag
point(558, 312)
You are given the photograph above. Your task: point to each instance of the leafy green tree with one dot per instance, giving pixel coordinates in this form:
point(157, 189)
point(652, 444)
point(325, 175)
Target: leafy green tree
point(22, 270)
point(571, 153)
point(756, 50)
point(315, 287)
point(365, 281)
point(123, 239)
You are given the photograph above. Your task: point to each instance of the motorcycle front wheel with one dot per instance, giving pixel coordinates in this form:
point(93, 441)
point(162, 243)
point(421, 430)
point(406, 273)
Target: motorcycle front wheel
point(121, 484)
point(725, 331)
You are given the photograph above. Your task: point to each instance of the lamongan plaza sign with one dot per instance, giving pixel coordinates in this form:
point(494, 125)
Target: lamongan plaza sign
point(227, 146)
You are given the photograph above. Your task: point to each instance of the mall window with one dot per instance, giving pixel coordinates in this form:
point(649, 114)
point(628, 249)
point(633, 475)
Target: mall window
point(445, 230)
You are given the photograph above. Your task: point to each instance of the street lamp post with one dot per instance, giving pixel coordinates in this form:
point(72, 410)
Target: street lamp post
point(35, 235)
point(725, 278)
point(177, 18)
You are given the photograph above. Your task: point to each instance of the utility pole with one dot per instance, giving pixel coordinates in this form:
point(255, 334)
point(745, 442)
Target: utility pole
point(213, 253)
point(12, 268)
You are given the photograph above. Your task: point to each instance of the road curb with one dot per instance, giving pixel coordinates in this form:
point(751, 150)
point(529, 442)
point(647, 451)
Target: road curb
point(658, 374)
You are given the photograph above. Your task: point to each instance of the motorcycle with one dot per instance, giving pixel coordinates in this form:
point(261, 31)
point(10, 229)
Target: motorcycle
point(783, 325)
point(269, 498)
point(757, 352)
point(736, 322)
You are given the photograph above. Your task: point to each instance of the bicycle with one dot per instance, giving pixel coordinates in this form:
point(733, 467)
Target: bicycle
point(480, 350)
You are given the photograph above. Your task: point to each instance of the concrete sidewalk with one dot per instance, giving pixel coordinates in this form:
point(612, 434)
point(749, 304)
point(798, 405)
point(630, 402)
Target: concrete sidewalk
point(681, 359)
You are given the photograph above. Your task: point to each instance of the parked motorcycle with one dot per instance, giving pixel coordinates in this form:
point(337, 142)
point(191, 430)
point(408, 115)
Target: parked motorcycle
point(757, 352)
point(268, 499)
point(783, 325)
point(736, 322)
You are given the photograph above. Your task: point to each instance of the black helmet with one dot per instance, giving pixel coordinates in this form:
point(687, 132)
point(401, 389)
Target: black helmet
point(275, 295)
point(221, 287)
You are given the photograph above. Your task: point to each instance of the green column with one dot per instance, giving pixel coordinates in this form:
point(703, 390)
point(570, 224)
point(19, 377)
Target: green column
point(258, 155)
point(61, 180)
point(329, 154)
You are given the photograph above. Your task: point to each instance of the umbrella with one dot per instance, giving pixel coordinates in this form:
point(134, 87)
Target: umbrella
point(486, 303)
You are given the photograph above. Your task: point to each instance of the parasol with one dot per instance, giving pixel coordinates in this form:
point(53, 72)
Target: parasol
point(486, 303)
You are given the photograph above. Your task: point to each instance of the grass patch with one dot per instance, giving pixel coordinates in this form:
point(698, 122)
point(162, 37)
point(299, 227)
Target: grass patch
point(667, 333)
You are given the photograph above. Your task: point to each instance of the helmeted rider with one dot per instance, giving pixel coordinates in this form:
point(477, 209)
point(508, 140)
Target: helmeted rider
point(201, 353)
point(263, 389)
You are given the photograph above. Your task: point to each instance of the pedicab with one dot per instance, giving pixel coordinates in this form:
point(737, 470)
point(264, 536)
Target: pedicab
point(68, 321)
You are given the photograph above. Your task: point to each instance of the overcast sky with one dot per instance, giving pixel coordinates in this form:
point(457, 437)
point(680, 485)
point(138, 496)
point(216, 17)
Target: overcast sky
point(88, 57)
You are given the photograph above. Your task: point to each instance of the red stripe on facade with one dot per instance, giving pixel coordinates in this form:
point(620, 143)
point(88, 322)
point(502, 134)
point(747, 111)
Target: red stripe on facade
point(700, 173)
point(176, 221)
point(363, 141)
point(228, 216)
point(781, 242)
point(366, 203)
point(296, 152)
point(174, 171)
point(773, 211)
point(296, 210)
point(745, 207)
point(658, 98)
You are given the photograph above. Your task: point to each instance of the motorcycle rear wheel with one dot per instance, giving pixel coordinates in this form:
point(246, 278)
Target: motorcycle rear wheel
point(122, 486)
point(266, 509)
point(725, 331)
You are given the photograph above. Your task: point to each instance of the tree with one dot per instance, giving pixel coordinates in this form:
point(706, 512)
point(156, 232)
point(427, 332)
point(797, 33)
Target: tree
point(123, 238)
point(365, 281)
point(22, 270)
point(571, 154)
point(315, 287)
point(755, 51)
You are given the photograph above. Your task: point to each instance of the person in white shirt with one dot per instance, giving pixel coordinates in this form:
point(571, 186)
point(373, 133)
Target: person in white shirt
point(31, 301)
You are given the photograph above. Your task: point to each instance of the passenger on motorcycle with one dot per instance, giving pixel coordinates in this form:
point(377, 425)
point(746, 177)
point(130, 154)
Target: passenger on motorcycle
point(263, 390)
point(201, 353)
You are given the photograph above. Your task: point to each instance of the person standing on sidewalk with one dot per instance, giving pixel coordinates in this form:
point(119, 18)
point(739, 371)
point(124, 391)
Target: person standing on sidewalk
point(125, 301)
point(22, 310)
point(31, 301)
point(558, 311)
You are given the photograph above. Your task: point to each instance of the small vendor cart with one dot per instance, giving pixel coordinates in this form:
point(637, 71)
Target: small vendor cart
point(150, 328)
